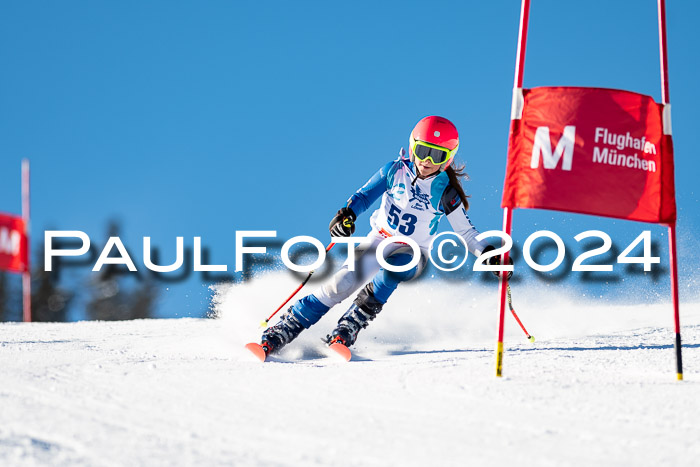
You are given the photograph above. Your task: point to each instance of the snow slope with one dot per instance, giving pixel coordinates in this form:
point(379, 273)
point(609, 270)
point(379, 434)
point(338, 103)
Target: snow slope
point(598, 387)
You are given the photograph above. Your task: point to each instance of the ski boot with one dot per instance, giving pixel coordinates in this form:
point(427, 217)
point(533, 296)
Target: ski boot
point(282, 333)
point(363, 310)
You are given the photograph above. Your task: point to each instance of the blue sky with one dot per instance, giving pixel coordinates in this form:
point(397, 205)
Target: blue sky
point(203, 118)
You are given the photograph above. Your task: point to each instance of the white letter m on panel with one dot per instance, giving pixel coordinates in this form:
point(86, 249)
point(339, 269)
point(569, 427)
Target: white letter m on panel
point(542, 145)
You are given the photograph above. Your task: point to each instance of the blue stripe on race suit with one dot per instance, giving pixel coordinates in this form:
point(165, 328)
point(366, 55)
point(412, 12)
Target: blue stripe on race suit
point(375, 187)
point(467, 216)
point(434, 223)
point(309, 310)
point(437, 189)
point(385, 282)
point(390, 174)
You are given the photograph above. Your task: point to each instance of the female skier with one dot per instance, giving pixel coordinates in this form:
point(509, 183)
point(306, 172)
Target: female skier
point(416, 193)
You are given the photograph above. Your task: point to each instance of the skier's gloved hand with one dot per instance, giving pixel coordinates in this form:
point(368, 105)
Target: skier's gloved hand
point(496, 261)
point(343, 224)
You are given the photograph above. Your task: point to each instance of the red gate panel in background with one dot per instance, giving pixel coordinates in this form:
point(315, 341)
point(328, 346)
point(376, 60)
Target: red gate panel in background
point(13, 244)
point(591, 151)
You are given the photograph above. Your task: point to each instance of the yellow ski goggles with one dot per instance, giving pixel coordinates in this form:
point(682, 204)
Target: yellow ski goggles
point(437, 155)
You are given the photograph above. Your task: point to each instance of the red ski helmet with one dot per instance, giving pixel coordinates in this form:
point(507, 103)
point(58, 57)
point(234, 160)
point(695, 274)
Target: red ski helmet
point(436, 131)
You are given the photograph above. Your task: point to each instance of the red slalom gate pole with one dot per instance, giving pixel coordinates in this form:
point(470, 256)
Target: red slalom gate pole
point(672, 247)
point(502, 290)
point(264, 323)
point(674, 292)
point(26, 275)
point(515, 114)
point(522, 43)
point(673, 254)
point(665, 98)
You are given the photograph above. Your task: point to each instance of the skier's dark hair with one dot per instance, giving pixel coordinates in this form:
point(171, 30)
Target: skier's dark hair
point(455, 173)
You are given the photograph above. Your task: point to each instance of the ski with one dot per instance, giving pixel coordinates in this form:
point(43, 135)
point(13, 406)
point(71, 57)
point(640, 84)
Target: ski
point(257, 350)
point(340, 350)
point(337, 349)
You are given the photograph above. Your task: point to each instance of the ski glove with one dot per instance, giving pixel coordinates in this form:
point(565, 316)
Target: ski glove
point(343, 224)
point(496, 260)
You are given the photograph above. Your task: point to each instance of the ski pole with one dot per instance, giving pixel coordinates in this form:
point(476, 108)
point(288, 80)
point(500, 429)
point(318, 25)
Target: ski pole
point(510, 305)
point(264, 323)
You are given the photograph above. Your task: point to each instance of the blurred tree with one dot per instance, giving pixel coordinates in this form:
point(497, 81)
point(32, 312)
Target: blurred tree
point(111, 300)
point(49, 302)
point(143, 300)
point(10, 298)
point(4, 294)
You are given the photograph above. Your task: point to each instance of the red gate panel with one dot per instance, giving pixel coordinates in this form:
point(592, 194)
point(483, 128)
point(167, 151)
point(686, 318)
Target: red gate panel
point(13, 244)
point(591, 151)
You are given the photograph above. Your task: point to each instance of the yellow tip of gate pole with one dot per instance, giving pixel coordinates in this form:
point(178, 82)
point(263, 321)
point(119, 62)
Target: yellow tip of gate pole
point(680, 376)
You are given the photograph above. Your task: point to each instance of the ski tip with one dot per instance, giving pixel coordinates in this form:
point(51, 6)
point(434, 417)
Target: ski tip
point(341, 350)
point(257, 350)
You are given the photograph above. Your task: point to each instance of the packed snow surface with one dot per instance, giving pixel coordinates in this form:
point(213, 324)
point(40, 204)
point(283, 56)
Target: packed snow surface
point(598, 387)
